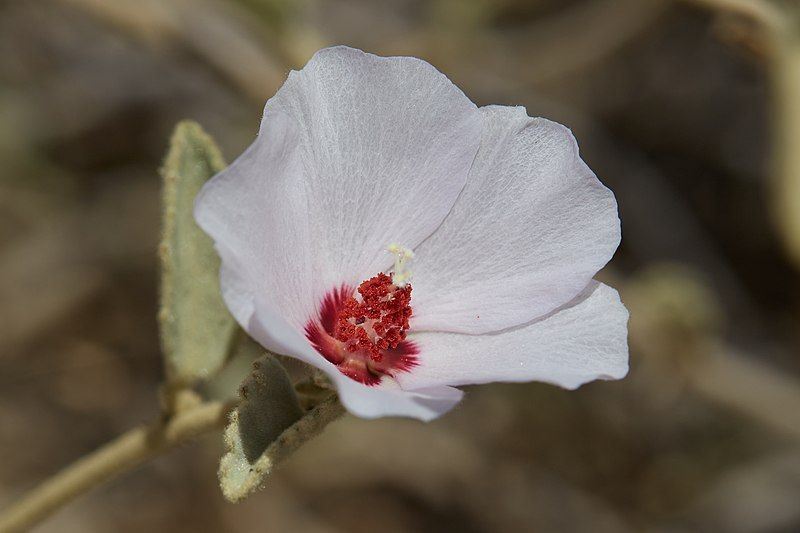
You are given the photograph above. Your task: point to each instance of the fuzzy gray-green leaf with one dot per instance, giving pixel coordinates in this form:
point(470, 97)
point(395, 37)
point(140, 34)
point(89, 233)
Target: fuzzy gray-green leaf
point(267, 427)
point(196, 327)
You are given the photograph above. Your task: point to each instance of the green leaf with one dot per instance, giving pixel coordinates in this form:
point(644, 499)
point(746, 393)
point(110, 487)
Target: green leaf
point(267, 427)
point(196, 327)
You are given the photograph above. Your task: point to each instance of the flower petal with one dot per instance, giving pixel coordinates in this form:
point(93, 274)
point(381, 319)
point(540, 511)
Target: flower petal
point(530, 229)
point(387, 143)
point(581, 342)
point(355, 152)
point(386, 399)
point(236, 294)
point(253, 211)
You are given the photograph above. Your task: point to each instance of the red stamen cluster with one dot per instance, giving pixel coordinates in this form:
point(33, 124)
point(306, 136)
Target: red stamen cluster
point(379, 321)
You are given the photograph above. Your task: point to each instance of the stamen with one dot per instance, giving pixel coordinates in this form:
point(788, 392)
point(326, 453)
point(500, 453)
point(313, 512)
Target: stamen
point(401, 274)
point(376, 322)
point(363, 332)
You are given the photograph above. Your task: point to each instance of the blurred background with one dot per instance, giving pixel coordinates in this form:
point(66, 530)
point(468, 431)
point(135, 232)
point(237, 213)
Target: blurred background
point(677, 106)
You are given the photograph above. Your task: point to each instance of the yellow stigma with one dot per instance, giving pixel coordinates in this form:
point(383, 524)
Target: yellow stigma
point(401, 275)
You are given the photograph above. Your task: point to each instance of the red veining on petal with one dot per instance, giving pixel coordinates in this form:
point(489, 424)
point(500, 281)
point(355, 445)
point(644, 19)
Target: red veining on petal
point(364, 334)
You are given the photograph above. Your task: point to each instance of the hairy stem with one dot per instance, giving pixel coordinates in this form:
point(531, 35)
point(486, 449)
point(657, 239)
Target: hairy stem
point(118, 456)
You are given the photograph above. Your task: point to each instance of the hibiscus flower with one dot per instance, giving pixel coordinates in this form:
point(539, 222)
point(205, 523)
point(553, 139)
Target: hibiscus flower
point(387, 231)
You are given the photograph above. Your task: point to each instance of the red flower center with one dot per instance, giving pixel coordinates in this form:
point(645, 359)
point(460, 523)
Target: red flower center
point(364, 334)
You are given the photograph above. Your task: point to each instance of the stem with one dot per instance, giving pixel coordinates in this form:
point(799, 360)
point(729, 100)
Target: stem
point(759, 10)
point(786, 133)
point(118, 456)
point(783, 33)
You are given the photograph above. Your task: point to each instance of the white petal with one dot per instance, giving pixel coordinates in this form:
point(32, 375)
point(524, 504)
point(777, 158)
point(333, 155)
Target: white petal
point(387, 143)
point(270, 329)
point(237, 295)
point(388, 399)
point(253, 210)
point(355, 152)
point(582, 342)
point(530, 229)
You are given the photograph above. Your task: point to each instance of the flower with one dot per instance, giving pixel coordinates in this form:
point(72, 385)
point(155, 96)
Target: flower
point(357, 153)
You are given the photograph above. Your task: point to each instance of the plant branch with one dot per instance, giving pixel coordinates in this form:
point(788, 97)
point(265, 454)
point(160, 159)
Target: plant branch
point(759, 10)
point(782, 25)
point(785, 75)
point(124, 453)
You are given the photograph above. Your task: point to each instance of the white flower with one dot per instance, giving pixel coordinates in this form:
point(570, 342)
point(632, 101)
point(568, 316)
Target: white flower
point(508, 225)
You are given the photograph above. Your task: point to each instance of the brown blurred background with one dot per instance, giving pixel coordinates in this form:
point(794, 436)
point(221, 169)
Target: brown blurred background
point(671, 104)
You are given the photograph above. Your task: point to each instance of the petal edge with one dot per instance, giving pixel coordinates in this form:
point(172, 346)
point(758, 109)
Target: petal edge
point(531, 228)
point(581, 342)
